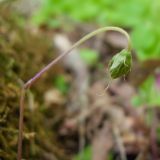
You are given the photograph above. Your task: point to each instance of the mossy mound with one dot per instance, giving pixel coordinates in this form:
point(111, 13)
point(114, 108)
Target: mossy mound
point(22, 54)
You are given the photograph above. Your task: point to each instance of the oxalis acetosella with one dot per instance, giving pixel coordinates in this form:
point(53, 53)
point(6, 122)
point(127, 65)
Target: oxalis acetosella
point(119, 65)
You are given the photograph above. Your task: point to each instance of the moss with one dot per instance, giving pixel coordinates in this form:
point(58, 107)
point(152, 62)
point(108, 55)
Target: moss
point(22, 54)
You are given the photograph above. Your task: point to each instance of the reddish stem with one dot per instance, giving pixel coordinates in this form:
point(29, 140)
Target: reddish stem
point(20, 136)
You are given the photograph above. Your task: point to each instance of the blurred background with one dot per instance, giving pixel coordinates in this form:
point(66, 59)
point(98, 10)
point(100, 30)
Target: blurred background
point(65, 117)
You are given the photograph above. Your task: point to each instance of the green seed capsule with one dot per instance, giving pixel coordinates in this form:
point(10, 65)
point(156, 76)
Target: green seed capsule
point(120, 64)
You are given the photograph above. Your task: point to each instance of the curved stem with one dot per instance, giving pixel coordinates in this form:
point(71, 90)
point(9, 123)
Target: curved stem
point(51, 64)
point(85, 38)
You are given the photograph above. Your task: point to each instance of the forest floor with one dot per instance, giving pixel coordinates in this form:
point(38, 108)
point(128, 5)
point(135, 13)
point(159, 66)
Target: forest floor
point(65, 115)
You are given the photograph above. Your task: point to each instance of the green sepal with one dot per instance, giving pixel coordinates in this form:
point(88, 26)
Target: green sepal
point(120, 64)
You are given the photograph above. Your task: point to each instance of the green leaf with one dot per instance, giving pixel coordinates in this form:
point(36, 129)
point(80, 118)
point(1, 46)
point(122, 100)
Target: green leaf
point(86, 155)
point(148, 94)
point(61, 84)
point(89, 56)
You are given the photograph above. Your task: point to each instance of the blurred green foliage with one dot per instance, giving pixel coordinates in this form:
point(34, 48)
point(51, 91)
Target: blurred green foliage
point(61, 84)
point(141, 16)
point(89, 56)
point(158, 134)
point(148, 94)
point(85, 155)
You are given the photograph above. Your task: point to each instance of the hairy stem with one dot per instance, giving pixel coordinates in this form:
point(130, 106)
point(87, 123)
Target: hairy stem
point(51, 64)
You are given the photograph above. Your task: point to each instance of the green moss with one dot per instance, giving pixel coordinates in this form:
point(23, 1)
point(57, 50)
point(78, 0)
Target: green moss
point(22, 54)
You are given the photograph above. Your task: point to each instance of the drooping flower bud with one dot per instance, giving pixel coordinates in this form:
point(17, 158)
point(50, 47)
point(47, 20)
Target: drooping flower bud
point(120, 64)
